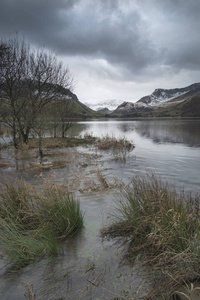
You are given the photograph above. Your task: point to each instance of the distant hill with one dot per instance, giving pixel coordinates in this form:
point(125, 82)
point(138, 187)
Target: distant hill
point(104, 110)
point(79, 110)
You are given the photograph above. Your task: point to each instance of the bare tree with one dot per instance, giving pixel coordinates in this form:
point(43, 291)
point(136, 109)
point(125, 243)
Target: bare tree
point(29, 80)
point(62, 116)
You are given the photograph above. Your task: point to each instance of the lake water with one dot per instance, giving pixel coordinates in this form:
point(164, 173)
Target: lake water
point(91, 267)
point(169, 148)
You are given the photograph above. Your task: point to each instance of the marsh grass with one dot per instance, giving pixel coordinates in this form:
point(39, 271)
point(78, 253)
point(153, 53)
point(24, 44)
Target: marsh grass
point(32, 222)
point(160, 225)
point(107, 142)
point(4, 165)
point(22, 246)
point(17, 203)
point(59, 212)
point(61, 142)
point(119, 147)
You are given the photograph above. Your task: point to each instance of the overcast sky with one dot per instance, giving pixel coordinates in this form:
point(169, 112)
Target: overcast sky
point(115, 49)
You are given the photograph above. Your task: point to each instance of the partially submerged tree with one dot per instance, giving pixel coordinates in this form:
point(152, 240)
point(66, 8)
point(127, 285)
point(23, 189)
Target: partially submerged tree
point(30, 79)
point(62, 116)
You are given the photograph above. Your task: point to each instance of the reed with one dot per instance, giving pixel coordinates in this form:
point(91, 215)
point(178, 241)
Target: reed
point(107, 142)
point(162, 226)
point(59, 211)
point(119, 148)
point(32, 222)
point(23, 247)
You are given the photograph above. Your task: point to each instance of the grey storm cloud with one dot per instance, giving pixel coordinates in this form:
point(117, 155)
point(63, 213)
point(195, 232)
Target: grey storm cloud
point(134, 35)
point(98, 29)
point(179, 31)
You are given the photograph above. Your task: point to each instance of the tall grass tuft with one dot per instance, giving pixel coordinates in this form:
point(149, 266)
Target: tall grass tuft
point(161, 225)
point(32, 222)
point(23, 247)
point(107, 142)
point(17, 203)
point(59, 212)
point(119, 147)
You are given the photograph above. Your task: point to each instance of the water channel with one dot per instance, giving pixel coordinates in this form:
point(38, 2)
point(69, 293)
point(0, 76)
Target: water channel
point(90, 266)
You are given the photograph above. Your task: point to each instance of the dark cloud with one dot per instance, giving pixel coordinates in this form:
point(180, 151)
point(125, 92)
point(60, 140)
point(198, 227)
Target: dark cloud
point(179, 37)
point(36, 18)
point(98, 29)
point(137, 36)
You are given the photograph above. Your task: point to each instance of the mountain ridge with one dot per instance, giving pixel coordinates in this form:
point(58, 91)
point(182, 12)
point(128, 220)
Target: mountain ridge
point(163, 95)
point(177, 102)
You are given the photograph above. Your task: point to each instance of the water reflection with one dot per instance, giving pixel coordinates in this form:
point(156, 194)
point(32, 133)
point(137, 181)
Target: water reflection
point(159, 131)
point(170, 148)
point(168, 131)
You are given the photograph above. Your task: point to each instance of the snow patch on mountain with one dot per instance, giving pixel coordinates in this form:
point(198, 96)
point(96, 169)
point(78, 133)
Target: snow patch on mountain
point(160, 96)
point(164, 97)
point(110, 104)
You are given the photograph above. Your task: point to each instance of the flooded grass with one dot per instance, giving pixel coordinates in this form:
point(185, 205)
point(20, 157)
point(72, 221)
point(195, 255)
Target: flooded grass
point(107, 142)
point(60, 142)
point(59, 211)
point(163, 228)
point(31, 222)
point(4, 165)
point(119, 147)
point(23, 247)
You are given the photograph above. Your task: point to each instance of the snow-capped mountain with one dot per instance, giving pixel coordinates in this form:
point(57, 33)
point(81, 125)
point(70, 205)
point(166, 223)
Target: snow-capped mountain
point(162, 102)
point(109, 104)
point(160, 96)
point(127, 108)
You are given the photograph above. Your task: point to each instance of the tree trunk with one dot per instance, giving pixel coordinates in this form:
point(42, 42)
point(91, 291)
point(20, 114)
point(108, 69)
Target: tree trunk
point(63, 131)
point(40, 147)
point(14, 133)
point(54, 131)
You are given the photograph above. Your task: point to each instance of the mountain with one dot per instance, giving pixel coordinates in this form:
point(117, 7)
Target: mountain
point(77, 109)
point(109, 104)
point(132, 109)
point(80, 110)
point(178, 102)
point(160, 96)
point(104, 110)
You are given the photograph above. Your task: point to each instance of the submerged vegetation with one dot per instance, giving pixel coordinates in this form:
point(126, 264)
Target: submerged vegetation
point(32, 223)
point(163, 228)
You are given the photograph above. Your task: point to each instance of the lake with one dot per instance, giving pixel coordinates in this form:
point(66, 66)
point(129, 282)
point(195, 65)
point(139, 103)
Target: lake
point(169, 148)
point(92, 267)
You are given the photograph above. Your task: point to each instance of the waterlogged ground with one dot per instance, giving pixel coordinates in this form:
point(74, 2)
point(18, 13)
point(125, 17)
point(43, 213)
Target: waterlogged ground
point(89, 266)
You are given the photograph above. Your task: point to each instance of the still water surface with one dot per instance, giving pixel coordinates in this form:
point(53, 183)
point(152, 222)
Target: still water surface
point(170, 148)
point(91, 267)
